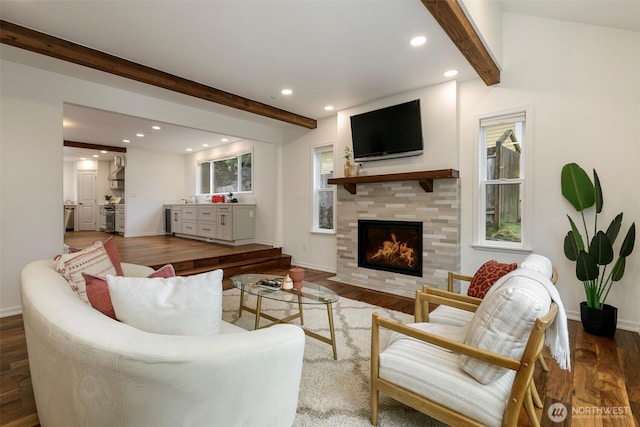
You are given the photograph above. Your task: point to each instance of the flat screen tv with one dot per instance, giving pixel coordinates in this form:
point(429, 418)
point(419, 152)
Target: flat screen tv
point(390, 132)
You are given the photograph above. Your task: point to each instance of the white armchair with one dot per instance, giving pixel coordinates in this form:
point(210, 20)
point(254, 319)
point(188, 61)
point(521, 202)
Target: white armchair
point(477, 374)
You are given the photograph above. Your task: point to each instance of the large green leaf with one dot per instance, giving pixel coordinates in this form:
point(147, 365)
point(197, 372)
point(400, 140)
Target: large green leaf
point(586, 267)
point(600, 249)
point(598, 192)
point(614, 228)
point(629, 241)
point(577, 187)
point(577, 237)
point(618, 269)
point(570, 247)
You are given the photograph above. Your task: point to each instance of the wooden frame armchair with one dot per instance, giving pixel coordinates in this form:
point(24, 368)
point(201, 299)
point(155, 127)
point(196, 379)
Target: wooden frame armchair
point(463, 302)
point(422, 392)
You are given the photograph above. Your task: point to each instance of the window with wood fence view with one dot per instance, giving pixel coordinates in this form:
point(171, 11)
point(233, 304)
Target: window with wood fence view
point(503, 180)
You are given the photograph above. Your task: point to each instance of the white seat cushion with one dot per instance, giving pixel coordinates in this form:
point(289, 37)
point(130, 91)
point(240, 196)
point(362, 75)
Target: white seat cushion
point(437, 375)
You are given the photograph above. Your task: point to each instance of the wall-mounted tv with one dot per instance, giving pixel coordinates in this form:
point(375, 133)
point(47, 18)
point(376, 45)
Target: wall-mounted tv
point(389, 132)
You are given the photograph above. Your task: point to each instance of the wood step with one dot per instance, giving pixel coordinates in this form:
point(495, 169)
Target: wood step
point(253, 261)
point(254, 265)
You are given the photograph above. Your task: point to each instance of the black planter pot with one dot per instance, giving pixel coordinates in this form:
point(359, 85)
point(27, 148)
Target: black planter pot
point(599, 322)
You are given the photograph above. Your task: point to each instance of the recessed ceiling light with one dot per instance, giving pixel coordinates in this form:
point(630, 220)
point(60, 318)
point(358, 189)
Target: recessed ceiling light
point(125, 140)
point(155, 127)
point(286, 91)
point(95, 155)
point(205, 145)
point(83, 158)
point(140, 135)
point(103, 151)
point(189, 149)
point(329, 108)
point(224, 139)
point(418, 41)
point(450, 73)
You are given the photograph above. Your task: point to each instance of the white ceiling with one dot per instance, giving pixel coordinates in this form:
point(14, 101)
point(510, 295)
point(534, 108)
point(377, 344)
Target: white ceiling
point(340, 53)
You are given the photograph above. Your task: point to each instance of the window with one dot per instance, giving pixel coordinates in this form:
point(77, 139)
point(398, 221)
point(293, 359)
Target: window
point(323, 193)
point(500, 204)
point(231, 174)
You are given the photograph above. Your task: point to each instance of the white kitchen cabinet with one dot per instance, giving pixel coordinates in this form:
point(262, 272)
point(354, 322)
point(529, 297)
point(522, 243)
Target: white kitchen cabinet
point(176, 219)
point(233, 224)
point(189, 227)
point(224, 230)
point(189, 213)
point(244, 222)
point(207, 213)
point(120, 213)
point(207, 221)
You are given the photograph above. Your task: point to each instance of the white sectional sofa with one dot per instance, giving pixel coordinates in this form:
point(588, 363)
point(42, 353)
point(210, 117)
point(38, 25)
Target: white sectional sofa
point(90, 370)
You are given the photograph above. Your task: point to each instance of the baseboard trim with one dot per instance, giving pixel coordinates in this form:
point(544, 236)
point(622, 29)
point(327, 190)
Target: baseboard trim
point(10, 311)
point(313, 266)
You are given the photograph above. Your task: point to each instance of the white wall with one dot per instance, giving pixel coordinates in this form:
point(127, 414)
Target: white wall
point(582, 83)
point(31, 160)
point(151, 178)
point(31, 213)
point(486, 18)
point(308, 249)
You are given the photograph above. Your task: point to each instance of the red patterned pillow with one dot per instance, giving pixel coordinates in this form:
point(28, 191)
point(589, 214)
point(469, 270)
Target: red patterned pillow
point(487, 275)
point(98, 290)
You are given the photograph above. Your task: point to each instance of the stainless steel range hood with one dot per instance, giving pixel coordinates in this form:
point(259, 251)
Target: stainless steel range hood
point(118, 173)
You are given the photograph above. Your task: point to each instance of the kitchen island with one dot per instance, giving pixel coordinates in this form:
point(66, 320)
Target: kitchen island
point(226, 223)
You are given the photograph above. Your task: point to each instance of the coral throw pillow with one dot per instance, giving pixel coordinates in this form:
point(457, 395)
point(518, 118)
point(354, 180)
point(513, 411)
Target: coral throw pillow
point(98, 290)
point(487, 275)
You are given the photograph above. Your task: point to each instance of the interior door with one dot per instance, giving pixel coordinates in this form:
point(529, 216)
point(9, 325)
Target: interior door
point(87, 200)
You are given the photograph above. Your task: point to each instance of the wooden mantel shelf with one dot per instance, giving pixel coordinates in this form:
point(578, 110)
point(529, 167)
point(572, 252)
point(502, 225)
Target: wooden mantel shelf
point(425, 178)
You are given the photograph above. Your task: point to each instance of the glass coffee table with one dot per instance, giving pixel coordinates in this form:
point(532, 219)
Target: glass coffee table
point(310, 293)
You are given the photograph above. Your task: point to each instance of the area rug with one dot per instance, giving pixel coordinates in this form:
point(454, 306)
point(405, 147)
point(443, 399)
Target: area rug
point(335, 392)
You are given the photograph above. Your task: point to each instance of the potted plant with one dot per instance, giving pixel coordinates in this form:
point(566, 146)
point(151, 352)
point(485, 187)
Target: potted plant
point(347, 161)
point(595, 252)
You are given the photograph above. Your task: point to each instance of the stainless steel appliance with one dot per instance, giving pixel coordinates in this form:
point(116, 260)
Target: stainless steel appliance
point(110, 214)
point(69, 217)
point(167, 220)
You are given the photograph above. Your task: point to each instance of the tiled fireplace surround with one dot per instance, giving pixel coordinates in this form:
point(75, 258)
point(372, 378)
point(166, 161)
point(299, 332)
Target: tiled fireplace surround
point(439, 212)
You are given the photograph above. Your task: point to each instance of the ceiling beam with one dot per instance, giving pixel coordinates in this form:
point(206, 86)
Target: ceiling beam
point(25, 38)
point(451, 17)
point(87, 146)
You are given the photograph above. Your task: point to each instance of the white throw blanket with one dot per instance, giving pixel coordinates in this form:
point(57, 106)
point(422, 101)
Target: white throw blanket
point(557, 335)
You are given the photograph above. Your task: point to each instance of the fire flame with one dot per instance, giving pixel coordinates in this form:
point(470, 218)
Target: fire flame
point(394, 252)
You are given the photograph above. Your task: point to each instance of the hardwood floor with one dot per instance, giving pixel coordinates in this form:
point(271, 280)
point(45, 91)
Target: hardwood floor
point(605, 373)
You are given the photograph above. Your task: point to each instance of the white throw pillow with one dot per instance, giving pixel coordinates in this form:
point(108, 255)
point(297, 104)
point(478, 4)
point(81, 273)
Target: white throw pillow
point(502, 324)
point(173, 306)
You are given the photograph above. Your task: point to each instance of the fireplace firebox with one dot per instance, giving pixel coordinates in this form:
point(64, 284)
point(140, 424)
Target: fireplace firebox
point(394, 246)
